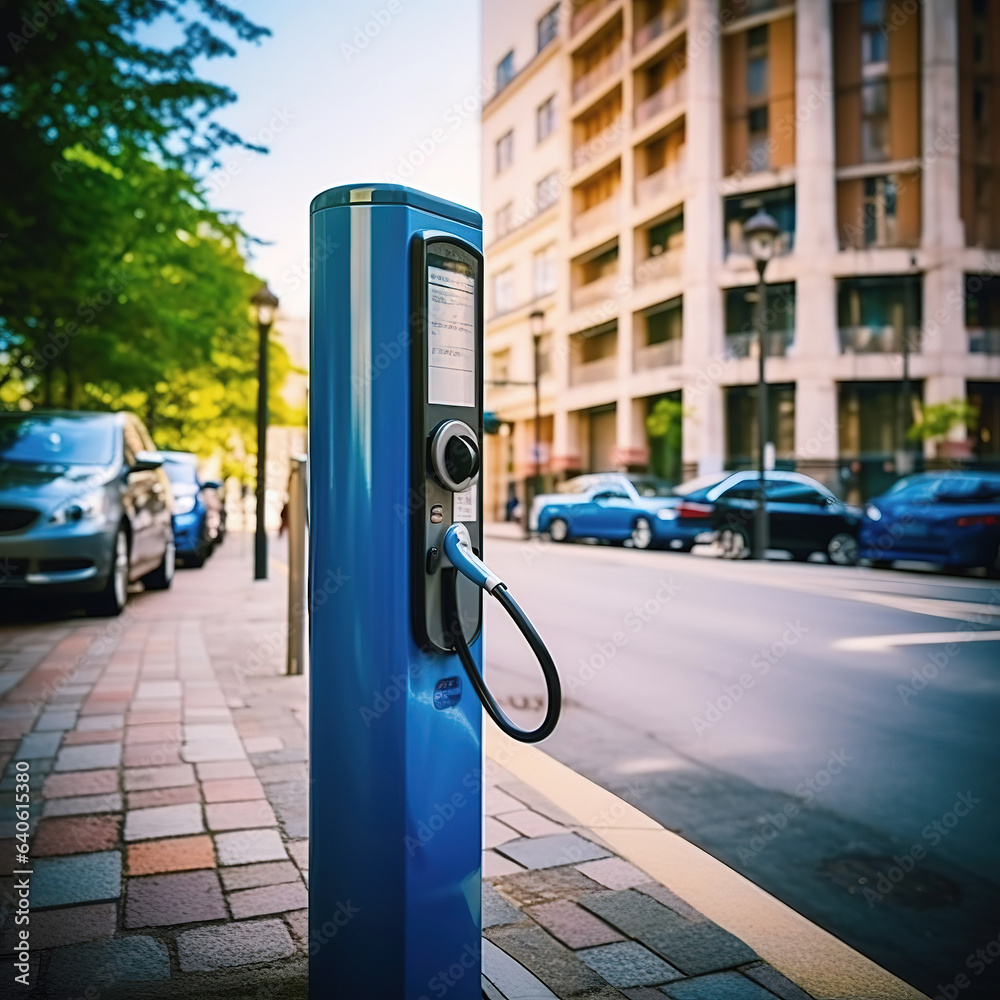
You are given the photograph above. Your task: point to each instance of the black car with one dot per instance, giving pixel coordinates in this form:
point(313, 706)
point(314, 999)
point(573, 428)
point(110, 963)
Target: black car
point(85, 507)
point(803, 515)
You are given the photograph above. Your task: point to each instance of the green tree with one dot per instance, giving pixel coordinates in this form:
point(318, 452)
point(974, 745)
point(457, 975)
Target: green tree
point(664, 425)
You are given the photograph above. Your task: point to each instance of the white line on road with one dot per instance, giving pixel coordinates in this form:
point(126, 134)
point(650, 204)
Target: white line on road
point(880, 643)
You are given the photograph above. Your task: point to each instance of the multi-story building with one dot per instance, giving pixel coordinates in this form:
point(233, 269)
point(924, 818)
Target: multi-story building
point(625, 146)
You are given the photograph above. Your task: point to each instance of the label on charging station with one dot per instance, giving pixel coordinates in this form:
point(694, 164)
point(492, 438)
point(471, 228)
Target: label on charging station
point(447, 692)
point(464, 508)
point(451, 334)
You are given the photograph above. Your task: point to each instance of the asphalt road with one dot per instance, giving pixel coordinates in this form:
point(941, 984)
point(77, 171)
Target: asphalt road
point(760, 712)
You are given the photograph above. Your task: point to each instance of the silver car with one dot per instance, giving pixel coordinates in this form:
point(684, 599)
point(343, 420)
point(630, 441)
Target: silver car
point(85, 507)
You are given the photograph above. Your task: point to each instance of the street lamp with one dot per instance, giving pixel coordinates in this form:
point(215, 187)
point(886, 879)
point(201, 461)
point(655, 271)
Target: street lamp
point(761, 232)
point(264, 303)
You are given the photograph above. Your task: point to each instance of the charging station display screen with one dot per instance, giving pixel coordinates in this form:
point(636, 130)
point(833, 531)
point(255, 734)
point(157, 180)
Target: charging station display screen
point(451, 333)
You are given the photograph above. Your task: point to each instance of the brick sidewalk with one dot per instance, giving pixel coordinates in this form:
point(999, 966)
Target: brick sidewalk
point(167, 760)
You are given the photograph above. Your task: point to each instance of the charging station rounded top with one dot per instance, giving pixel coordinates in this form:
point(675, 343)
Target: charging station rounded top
point(394, 194)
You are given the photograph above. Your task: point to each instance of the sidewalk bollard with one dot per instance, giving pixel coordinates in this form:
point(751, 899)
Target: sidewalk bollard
point(395, 605)
point(296, 565)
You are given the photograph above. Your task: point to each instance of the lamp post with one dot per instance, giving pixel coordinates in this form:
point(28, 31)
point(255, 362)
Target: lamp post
point(264, 304)
point(761, 232)
point(537, 320)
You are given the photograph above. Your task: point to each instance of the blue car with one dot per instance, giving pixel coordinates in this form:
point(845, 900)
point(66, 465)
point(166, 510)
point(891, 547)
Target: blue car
point(196, 516)
point(948, 518)
point(618, 508)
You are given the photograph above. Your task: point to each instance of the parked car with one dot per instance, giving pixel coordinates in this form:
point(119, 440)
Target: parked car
point(198, 518)
point(803, 515)
point(615, 507)
point(571, 491)
point(948, 518)
point(85, 507)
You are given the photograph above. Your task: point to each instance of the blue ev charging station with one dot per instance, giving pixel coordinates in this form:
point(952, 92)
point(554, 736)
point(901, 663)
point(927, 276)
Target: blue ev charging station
point(396, 597)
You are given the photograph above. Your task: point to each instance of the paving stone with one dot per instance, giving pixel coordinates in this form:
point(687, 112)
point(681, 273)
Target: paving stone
point(105, 964)
point(268, 899)
point(243, 847)
point(551, 852)
point(499, 802)
point(534, 799)
point(719, 986)
point(642, 993)
point(240, 815)
point(154, 717)
point(89, 758)
point(36, 745)
point(154, 690)
point(232, 790)
point(497, 833)
point(693, 947)
point(171, 776)
point(223, 769)
point(263, 744)
point(83, 878)
point(176, 854)
point(87, 736)
point(208, 948)
point(163, 797)
point(541, 885)
point(75, 835)
point(508, 975)
point(181, 898)
point(151, 755)
point(163, 821)
point(773, 980)
point(494, 865)
point(68, 925)
point(164, 732)
point(298, 924)
point(212, 750)
point(299, 850)
point(572, 925)
point(73, 783)
point(496, 909)
point(101, 722)
point(273, 773)
point(554, 964)
point(251, 876)
point(614, 873)
point(529, 823)
point(52, 720)
point(83, 805)
point(670, 898)
point(290, 801)
point(627, 963)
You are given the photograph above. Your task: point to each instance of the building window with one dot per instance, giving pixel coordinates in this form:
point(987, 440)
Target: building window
point(879, 211)
point(779, 317)
point(547, 192)
point(543, 268)
point(874, 314)
point(757, 92)
point(779, 202)
point(505, 151)
point(667, 323)
point(758, 150)
point(875, 121)
point(741, 424)
point(874, 38)
point(500, 365)
point(505, 70)
point(548, 27)
point(503, 291)
point(666, 235)
point(505, 219)
point(545, 119)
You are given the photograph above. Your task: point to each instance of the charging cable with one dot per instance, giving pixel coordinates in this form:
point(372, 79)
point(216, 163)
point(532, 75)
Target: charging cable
point(458, 549)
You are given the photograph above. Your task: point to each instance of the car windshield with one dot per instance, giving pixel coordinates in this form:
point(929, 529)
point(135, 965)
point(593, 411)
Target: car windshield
point(181, 473)
point(928, 489)
point(701, 484)
point(650, 486)
point(43, 439)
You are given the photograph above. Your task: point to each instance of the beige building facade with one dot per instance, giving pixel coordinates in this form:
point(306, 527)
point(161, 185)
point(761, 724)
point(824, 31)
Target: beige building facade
point(625, 146)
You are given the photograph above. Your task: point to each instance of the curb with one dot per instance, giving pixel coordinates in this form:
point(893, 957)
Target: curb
point(821, 964)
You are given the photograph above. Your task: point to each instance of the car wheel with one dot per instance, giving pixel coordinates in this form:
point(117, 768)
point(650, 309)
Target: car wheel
point(734, 543)
point(842, 549)
point(642, 533)
point(163, 575)
point(881, 564)
point(558, 530)
point(801, 556)
point(111, 600)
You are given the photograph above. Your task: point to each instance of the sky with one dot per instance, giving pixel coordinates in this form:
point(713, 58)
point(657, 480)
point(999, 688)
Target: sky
point(345, 92)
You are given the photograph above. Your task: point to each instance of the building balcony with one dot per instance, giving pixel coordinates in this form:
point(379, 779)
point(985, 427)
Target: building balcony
point(664, 265)
point(744, 344)
point(984, 340)
point(586, 13)
point(599, 144)
point(662, 355)
point(878, 339)
point(604, 213)
point(594, 291)
point(656, 184)
point(667, 96)
point(589, 372)
point(601, 72)
point(656, 26)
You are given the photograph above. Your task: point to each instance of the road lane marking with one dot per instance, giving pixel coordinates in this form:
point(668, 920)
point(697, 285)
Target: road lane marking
point(939, 607)
point(880, 643)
